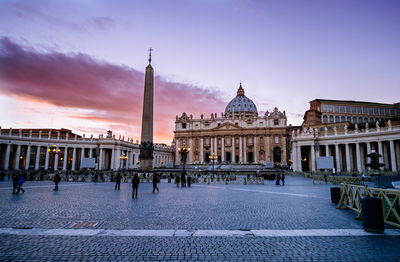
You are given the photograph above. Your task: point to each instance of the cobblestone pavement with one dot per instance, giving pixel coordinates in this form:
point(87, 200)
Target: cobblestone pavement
point(299, 205)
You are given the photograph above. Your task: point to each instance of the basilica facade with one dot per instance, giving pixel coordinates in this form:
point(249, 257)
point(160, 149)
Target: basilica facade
point(238, 136)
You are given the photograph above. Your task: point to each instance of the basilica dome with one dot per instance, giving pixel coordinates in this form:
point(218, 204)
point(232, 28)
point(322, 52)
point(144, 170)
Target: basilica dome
point(241, 105)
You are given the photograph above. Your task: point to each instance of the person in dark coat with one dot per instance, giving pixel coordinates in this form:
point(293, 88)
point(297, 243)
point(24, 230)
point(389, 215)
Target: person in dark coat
point(183, 179)
point(57, 179)
point(117, 181)
point(20, 183)
point(155, 181)
point(283, 179)
point(189, 180)
point(15, 180)
point(135, 185)
point(177, 180)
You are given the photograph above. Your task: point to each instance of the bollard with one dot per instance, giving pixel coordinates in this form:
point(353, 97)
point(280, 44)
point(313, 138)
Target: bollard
point(335, 195)
point(372, 214)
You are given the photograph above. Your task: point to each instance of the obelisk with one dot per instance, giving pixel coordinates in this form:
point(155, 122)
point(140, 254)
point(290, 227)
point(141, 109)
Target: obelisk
point(146, 143)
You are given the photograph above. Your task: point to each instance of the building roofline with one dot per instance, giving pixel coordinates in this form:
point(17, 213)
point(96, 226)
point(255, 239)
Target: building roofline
point(352, 101)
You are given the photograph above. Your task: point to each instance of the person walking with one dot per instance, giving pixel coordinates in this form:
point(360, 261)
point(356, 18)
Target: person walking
point(57, 179)
point(189, 180)
point(20, 183)
point(278, 178)
point(155, 181)
point(283, 179)
point(15, 180)
point(183, 179)
point(135, 185)
point(177, 180)
point(118, 181)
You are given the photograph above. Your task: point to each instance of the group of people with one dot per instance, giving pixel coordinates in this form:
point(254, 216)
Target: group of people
point(181, 179)
point(280, 178)
point(18, 180)
point(135, 183)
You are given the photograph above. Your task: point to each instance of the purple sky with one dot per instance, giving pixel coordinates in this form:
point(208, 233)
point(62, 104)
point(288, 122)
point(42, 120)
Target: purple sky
point(286, 53)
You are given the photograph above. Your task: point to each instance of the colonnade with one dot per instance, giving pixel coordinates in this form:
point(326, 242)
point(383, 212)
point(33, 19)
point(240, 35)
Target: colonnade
point(349, 150)
point(19, 152)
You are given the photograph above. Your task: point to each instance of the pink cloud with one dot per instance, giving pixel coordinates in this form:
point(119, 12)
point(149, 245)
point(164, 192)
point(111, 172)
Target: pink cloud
point(111, 93)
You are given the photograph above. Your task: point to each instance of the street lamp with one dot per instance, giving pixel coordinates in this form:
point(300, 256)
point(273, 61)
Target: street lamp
point(213, 157)
point(183, 151)
point(55, 151)
point(122, 158)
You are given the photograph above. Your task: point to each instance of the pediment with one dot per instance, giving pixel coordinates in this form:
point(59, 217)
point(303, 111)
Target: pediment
point(227, 126)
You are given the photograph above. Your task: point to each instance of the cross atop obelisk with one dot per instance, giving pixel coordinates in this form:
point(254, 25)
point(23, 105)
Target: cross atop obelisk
point(151, 49)
point(146, 144)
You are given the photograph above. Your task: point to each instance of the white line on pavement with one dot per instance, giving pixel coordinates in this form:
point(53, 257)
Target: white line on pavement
point(264, 191)
point(60, 185)
point(195, 233)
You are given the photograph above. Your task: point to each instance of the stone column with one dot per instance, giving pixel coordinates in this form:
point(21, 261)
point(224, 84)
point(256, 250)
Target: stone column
point(91, 152)
point(28, 157)
point(240, 149)
point(317, 153)
point(82, 156)
point(223, 149)
point(112, 166)
point(397, 151)
point(294, 156)
point(46, 163)
point(132, 161)
point(267, 149)
point(216, 145)
point(312, 158)
point(299, 159)
point(190, 152)
point(358, 157)
point(393, 156)
point(201, 150)
point(17, 155)
point(7, 158)
point(233, 149)
point(386, 153)
point(380, 151)
point(327, 150)
point(337, 157)
point(368, 151)
point(348, 166)
point(283, 146)
point(65, 158)
point(37, 157)
point(255, 150)
point(100, 164)
point(73, 159)
point(56, 159)
point(245, 149)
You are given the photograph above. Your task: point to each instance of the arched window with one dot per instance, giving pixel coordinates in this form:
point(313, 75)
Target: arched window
point(330, 119)
point(325, 119)
point(277, 155)
point(343, 119)
point(337, 119)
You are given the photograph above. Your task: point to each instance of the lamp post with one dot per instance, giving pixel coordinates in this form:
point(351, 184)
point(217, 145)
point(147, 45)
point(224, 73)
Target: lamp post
point(183, 151)
point(55, 151)
point(213, 157)
point(122, 159)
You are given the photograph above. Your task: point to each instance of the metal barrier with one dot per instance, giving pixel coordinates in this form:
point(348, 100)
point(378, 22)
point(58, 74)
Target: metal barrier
point(351, 198)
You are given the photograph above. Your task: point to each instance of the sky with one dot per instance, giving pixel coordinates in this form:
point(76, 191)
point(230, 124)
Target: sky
point(80, 64)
